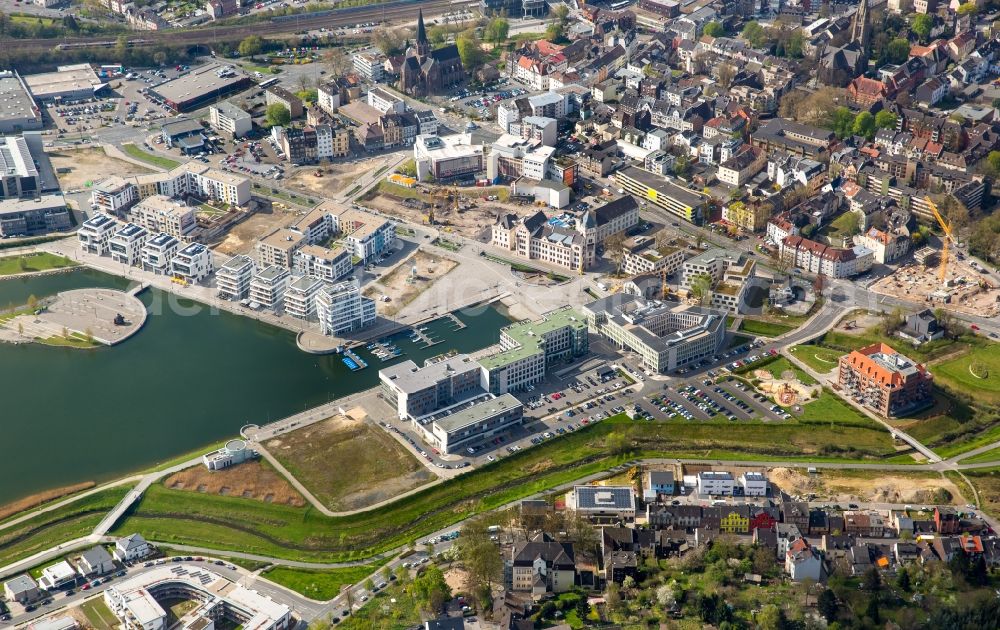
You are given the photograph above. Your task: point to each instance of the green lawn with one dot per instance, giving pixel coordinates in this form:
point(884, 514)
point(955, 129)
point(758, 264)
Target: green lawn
point(817, 357)
point(830, 409)
point(924, 352)
point(992, 455)
point(41, 261)
point(391, 609)
point(73, 340)
point(780, 365)
point(231, 523)
point(99, 615)
point(319, 585)
point(765, 329)
point(156, 160)
point(977, 372)
point(51, 528)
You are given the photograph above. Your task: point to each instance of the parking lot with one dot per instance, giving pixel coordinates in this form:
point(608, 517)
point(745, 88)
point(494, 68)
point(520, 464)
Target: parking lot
point(482, 103)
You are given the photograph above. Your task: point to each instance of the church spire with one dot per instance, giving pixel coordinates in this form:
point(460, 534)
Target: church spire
point(861, 29)
point(423, 46)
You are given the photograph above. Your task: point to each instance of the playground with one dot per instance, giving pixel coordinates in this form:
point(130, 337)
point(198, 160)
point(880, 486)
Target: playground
point(787, 389)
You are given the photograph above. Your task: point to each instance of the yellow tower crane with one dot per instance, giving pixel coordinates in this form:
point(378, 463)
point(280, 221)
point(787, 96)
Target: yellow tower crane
point(943, 267)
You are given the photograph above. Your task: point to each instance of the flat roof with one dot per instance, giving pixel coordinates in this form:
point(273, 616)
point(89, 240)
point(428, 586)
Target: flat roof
point(478, 413)
point(43, 202)
point(410, 378)
point(66, 79)
point(198, 83)
point(164, 205)
point(604, 497)
point(15, 99)
point(283, 239)
point(529, 336)
point(237, 262)
point(15, 157)
point(662, 186)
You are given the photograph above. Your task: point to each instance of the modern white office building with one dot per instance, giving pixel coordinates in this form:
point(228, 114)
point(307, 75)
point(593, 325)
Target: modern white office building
point(96, 232)
point(126, 244)
point(267, 289)
point(234, 276)
point(158, 251)
point(192, 264)
point(230, 120)
point(300, 297)
point(136, 601)
point(453, 430)
point(342, 309)
point(418, 391)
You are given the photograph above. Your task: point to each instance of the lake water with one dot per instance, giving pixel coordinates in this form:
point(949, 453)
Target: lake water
point(189, 378)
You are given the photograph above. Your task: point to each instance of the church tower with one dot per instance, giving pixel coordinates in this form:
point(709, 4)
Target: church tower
point(423, 46)
point(861, 29)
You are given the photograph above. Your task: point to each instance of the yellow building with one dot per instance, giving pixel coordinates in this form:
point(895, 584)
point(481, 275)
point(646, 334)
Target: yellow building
point(750, 217)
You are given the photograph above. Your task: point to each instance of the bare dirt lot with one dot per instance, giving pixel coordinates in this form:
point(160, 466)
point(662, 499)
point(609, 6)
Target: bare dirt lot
point(242, 238)
point(969, 290)
point(475, 212)
point(347, 463)
point(857, 323)
point(867, 486)
point(336, 177)
point(90, 165)
point(250, 480)
point(402, 287)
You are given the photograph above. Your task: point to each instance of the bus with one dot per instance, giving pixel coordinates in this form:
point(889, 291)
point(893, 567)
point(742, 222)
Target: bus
point(618, 6)
point(267, 83)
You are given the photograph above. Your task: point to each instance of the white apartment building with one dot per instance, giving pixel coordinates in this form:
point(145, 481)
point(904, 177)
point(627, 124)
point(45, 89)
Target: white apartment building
point(163, 214)
point(729, 274)
point(365, 236)
point(385, 101)
point(666, 259)
point(833, 262)
point(158, 251)
point(715, 483)
point(126, 244)
point(234, 276)
point(300, 297)
point(512, 157)
point(540, 128)
point(192, 264)
point(229, 119)
point(324, 142)
point(754, 484)
point(447, 158)
point(370, 65)
point(114, 196)
point(268, 287)
point(329, 264)
point(341, 308)
point(96, 232)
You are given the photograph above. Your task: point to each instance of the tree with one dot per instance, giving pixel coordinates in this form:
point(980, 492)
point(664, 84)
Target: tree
point(682, 166)
point(969, 8)
point(32, 303)
point(370, 585)
point(903, 579)
point(726, 73)
point(886, 120)
point(389, 41)
point(714, 29)
point(922, 25)
point(793, 47)
point(614, 249)
point(584, 536)
point(993, 159)
point(430, 590)
point(898, 50)
point(755, 34)
point(763, 561)
point(470, 49)
point(864, 125)
point(70, 24)
point(872, 580)
point(337, 60)
point(612, 597)
point(827, 605)
point(160, 57)
point(872, 611)
point(277, 114)
point(480, 557)
point(842, 122)
point(701, 287)
point(250, 46)
point(556, 29)
point(771, 617)
point(496, 30)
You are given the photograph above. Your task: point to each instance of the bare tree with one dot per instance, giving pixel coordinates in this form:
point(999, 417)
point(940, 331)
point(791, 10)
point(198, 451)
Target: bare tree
point(614, 249)
point(726, 73)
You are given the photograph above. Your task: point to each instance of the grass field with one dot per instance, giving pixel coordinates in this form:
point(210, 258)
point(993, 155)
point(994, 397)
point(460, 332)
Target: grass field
point(765, 329)
point(976, 372)
point(228, 523)
point(133, 151)
point(42, 261)
point(51, 528)
point(830, 409)
point(319, 585)
point(924, 352)
point(99, 615)
point(992, 455)
point(370, 467)
point(987, 483)
point(817, 357)
point(780, 365)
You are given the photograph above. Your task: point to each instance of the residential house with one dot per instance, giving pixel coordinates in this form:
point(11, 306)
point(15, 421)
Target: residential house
point(95, 562)
point(131, 548)
point(803, 562)
point(542, 565)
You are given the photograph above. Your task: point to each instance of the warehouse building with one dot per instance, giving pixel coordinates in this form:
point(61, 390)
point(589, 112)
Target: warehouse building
point(201, 87)
point(18, 111)
point(68, 83)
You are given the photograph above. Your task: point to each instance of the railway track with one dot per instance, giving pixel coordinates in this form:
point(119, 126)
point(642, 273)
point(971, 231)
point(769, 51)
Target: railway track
point(283, 25)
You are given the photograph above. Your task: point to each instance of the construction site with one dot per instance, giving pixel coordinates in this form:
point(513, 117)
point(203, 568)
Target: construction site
point(942, 278)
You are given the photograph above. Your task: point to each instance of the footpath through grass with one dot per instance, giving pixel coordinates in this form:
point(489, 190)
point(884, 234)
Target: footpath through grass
point(57, 526)
point(28, 263)
point(156, 160)
point(817, 357)
point(234, 523)
point(320, 585)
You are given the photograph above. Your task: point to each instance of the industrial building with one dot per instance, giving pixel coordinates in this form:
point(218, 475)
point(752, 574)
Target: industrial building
point(18, 111)
point(666, 335)
point(200, 87)
point(68, 83)
point(885, 381)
